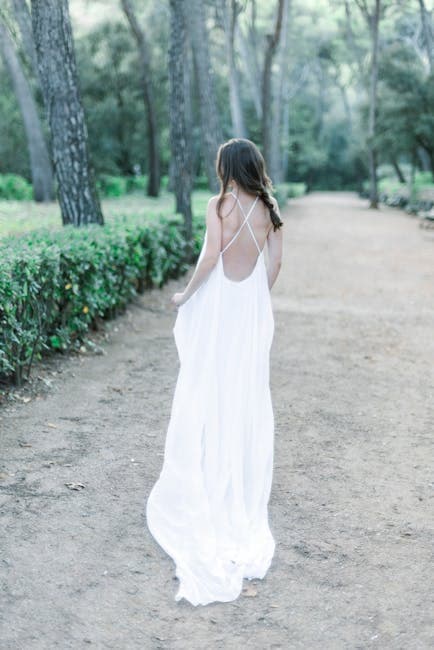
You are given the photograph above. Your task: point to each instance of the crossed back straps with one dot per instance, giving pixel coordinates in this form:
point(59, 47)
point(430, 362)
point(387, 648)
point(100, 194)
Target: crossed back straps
point(246, 221)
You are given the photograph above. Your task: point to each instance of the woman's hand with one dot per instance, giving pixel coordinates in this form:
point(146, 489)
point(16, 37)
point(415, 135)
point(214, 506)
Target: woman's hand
point(178, 299)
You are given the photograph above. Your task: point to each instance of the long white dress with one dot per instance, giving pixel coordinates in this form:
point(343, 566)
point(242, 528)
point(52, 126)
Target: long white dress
point(209, 507)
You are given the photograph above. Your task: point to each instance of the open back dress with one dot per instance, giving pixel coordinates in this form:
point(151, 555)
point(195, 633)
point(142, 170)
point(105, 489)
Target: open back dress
point(209, 507)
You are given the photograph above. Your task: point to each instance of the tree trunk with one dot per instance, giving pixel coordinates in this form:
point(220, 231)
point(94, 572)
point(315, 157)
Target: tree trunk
point(40, 165)
point(179, 135)
point(230, 10)
point(209, 118)
point(398, 170)
point(344, 96)
point(291, 91)
point(280, 85)
point(427, 34)
point(148, 97)
point(429, 152)
point(373, 186)
point(351, 39)
point(423, 157)
point(24, 20)
point(254, 76)
point(372, 18)
point(58, 75)
point(267, 95)
point(193, 155)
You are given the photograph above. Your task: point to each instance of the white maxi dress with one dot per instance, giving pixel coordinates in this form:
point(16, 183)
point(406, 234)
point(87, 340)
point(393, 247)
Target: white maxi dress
point(209, 507)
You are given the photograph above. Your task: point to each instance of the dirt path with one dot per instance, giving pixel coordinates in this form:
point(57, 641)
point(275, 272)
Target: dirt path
point(352, 500)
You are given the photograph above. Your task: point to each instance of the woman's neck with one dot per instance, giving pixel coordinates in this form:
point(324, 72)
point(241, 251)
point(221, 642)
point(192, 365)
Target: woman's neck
point(238, 191)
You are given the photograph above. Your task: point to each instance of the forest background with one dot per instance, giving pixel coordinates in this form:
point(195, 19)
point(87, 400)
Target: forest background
point(116, 107)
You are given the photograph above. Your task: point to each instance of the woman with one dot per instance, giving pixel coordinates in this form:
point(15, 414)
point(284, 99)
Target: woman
point(208, 509)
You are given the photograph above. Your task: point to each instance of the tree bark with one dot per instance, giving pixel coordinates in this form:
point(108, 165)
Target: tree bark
point(40, 165)
point(267, 95)
point(59, 84)
point(427, 34)
point(210, 123)
point(148, 97)
point(179, 135)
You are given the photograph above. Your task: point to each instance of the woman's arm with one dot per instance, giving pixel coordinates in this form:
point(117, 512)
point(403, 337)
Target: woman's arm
point(275, 246)
point(210, 256)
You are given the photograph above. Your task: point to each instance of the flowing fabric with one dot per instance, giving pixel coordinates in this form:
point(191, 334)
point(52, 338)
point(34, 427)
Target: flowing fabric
point(209, 507)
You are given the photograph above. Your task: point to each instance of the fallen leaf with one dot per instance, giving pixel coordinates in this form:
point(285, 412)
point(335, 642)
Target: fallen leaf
point(74, 486)
point(24, 444)
point(51, 425)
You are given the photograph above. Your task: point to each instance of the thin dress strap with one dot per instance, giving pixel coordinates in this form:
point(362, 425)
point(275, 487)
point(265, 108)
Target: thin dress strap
point(246, 221)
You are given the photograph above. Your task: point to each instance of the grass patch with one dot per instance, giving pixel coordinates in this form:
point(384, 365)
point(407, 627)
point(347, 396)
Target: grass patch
point(24, 216)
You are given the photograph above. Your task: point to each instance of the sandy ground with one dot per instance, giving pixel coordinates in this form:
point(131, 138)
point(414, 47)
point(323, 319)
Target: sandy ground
point(353, 490)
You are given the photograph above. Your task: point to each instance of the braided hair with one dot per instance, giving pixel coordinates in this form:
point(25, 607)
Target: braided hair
point(240, 159)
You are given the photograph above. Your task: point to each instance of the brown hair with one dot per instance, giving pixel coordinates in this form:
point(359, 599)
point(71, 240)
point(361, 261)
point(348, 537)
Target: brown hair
point(240, 159)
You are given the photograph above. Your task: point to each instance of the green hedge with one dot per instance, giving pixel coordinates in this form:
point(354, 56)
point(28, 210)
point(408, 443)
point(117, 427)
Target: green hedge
point(55, 285)
point(16, 188)
point(285, 191)
point(111, 186)
point(115, 186)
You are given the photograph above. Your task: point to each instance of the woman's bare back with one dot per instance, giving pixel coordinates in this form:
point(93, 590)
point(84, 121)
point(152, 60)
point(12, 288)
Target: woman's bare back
point(241, 254)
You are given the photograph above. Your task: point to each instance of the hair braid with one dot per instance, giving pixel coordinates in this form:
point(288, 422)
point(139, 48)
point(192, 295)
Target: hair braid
point(275, 219)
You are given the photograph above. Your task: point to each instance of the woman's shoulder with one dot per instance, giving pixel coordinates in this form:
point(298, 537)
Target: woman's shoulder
point(214, 199)
point(213, 205)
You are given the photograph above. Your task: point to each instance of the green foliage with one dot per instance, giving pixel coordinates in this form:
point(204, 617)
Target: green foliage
point(325, 79)
point(406, 119)
point(422, 183)
point(284, 191)
point(55, 285)
point(111, 186)
point(15, 187)
point(137, 183)
point(201, 183)
point(115, 186)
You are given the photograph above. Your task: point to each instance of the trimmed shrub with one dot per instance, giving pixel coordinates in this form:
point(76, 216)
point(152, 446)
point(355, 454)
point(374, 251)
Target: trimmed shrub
point(56, 285)
point(111, 186)
point(136, 183)
point(285, 191)
point(201, 183)
point(16, 188)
